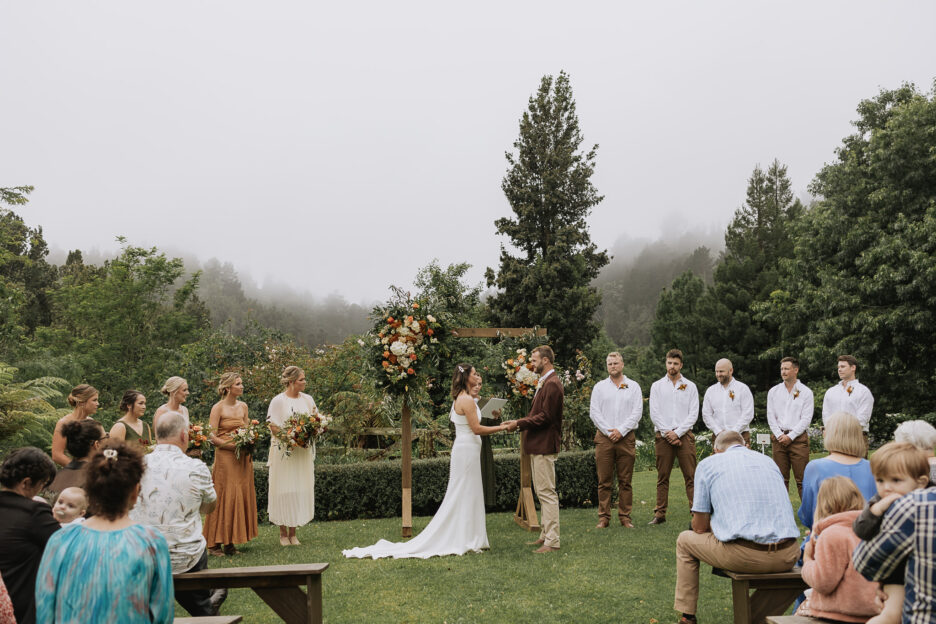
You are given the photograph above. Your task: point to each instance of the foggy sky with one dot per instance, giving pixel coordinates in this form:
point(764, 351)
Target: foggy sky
point(339, 147)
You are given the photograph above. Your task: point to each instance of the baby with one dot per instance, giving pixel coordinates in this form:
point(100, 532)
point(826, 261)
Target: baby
point(898, 469)
point(70, 506)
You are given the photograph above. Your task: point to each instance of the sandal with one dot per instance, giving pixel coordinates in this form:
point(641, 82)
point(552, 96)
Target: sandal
point(230, 550)
point(294, 541)
point(284, 541)
point(215, 551)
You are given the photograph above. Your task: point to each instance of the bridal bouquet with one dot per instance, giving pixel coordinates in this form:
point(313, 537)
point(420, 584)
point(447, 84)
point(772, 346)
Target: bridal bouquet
point(301, 429)
point(520, 376)
point(198, 436)
point(246, 438)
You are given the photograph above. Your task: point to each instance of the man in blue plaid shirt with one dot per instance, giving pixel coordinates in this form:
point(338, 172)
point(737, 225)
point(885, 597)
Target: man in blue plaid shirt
point(908, 535)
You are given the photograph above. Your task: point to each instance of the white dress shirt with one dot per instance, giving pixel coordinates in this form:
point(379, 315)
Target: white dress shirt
point(614, 407)
point(854, 398)
point(789, 410)
point(728, 407)
point(674, 407)
point(172, 491)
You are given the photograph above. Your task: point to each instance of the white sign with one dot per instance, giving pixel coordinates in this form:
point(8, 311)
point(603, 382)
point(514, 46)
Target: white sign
point(763, 438)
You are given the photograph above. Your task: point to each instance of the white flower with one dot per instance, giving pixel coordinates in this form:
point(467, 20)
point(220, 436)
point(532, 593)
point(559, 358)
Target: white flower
point(415, 326)
point(360, 342)
point(430, 318)
point(404, 331)
point(434, 340)
point(398, 348)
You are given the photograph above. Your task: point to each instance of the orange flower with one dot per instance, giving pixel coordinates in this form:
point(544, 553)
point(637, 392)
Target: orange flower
point(429, 331)
point(254, 422)
point(412, 356)
point(510, 362)
point(410, 371)
point(385, 363)
point(409, 319)
point(196, 427)
point(389, 319)
point(386, 354)
point(415, 306)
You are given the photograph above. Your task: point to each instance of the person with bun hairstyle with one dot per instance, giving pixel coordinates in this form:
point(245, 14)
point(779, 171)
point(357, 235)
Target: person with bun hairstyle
point(234, 519)
point(291, 495)
point(84, 401)
point(25, 525)
point(108, 568)
point(176, 391)
point(131, 426)
point(81, 440)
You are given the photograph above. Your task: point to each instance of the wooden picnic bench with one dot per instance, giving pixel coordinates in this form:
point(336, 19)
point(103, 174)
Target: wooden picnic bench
point(279, 586)
point(209, 619)
point(773, 594)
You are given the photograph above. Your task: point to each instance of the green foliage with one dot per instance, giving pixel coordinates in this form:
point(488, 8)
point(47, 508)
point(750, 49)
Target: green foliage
point(682, 322)
point(548, 185)
point(27, 416)
point(862, 279)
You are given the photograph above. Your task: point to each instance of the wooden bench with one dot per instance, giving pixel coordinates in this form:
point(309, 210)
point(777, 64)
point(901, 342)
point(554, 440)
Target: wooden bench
point(773, 594)
point(279, 586)
point(793, 619)
point(213, 619)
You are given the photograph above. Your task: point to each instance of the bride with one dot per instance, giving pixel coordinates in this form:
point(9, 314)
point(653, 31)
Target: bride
point(459, 524)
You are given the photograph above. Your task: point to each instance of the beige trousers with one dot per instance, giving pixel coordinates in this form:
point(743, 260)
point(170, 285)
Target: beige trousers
point(544, 483)
point(692, 547)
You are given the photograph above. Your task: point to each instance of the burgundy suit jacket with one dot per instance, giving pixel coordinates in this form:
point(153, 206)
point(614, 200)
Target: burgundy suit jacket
point(543, 425)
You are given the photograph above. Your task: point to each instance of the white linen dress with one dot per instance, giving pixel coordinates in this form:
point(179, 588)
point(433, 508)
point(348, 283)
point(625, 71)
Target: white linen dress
point(291, 496)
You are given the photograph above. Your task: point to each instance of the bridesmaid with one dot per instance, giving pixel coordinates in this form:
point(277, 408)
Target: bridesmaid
point(131, 426)
point(291, 500)
point(234, 519)
point(176, 391)
point(84, 402)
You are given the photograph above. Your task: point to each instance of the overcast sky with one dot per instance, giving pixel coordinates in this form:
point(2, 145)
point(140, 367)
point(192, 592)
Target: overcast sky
point(358, 141)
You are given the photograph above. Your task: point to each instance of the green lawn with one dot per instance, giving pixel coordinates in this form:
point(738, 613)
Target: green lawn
point(611, 575)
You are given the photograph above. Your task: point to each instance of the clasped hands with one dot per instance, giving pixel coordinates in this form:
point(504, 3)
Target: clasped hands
point(509, 425)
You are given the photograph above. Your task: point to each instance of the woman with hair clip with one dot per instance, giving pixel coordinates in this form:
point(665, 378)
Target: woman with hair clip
point(176, 391)
point(291, 494)
point(234, 519)
point(131, 426)
point(107, 569)
point(459, 524)
point(84, 401)
point(82, 438)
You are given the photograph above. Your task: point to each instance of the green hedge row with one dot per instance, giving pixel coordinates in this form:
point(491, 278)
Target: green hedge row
point(372, 489)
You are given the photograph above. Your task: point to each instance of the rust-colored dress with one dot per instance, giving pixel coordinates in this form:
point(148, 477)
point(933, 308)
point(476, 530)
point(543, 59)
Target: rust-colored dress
point(234, 519)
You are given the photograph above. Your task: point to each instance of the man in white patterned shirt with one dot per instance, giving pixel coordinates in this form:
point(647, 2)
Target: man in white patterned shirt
point(174, 493)
point(789, 413)
point(616, 407)
point(728, 404)
point(674, 409)
point(849, 395)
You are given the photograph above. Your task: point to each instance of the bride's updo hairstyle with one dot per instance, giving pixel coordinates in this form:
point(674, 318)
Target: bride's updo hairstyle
point(227, 380)
point(290, 374)
point(460, 379)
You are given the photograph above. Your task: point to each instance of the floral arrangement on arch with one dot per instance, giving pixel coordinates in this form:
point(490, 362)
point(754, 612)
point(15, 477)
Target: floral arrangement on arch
point(520, 376)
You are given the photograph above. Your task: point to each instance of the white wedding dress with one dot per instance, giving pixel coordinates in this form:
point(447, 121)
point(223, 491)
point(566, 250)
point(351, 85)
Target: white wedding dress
point(459, 524)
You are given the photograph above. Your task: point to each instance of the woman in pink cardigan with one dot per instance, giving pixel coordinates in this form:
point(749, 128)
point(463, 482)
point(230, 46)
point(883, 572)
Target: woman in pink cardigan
point(838, 591)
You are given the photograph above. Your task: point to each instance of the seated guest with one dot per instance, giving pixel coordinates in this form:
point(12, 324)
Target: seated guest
point(742, 520)
point(839, 592)
point(71, 505)
point(6, 605)
point(107, 569)
point(922, 435)
point(25, 525)
point(845, 441)
point(176, 490)
point(82, 438)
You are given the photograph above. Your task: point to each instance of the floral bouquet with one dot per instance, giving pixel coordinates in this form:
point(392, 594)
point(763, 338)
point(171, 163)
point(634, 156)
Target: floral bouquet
point(300, 430)
point(520, 376)
point(406, 339)
point(246, 438)
point(197, 438)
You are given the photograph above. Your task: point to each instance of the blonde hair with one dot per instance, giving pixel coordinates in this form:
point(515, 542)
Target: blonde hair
point(899, 459)
point(172, 384)
point(227, 380)
point(837, 494)
point(290, 374)
point(81, 394)
point(843, 434)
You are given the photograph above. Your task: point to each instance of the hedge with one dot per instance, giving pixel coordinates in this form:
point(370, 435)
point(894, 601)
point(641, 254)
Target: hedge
point(372, 489)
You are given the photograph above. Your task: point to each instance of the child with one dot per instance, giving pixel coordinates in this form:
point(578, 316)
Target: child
point(898, 469)
point(839, 592)
point(71, 506)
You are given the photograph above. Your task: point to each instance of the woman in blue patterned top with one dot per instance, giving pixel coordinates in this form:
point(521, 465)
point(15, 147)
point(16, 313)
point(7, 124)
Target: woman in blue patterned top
point(107, 569)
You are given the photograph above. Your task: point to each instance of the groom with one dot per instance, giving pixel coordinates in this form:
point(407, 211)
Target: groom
point(543, 428)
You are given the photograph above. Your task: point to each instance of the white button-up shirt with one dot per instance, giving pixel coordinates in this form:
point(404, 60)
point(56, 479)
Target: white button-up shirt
point(854, 398)
point(172, 491)
point(614, 407)
point(674, 407)
point(789, 410)
point(728, 407)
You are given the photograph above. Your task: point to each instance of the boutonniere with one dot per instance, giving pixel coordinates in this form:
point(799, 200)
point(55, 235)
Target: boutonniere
point(731, 394)
point(849, 390)
point(795, 394)
point(623, 386)
point(681, 387)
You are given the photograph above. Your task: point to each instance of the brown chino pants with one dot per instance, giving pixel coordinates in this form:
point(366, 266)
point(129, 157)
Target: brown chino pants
point(666, 453)
point(795, 455)
point(611, 457)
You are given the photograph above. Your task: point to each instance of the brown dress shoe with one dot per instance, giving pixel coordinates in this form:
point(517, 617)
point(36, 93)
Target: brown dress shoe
point(545, 549)
point(538, 542)
point(657, 520)
point(602, 523)
point(626, 523)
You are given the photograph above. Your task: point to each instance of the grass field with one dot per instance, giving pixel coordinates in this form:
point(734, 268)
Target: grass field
point(611, 575)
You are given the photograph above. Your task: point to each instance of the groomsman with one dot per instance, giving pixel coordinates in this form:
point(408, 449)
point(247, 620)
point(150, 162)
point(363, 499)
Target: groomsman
point(616, 408)
point(728, 404)
point(849, 395)
point(789, 413)
point(674, 409)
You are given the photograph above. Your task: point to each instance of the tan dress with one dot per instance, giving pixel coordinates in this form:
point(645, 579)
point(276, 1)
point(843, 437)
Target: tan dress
point(234, 519)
